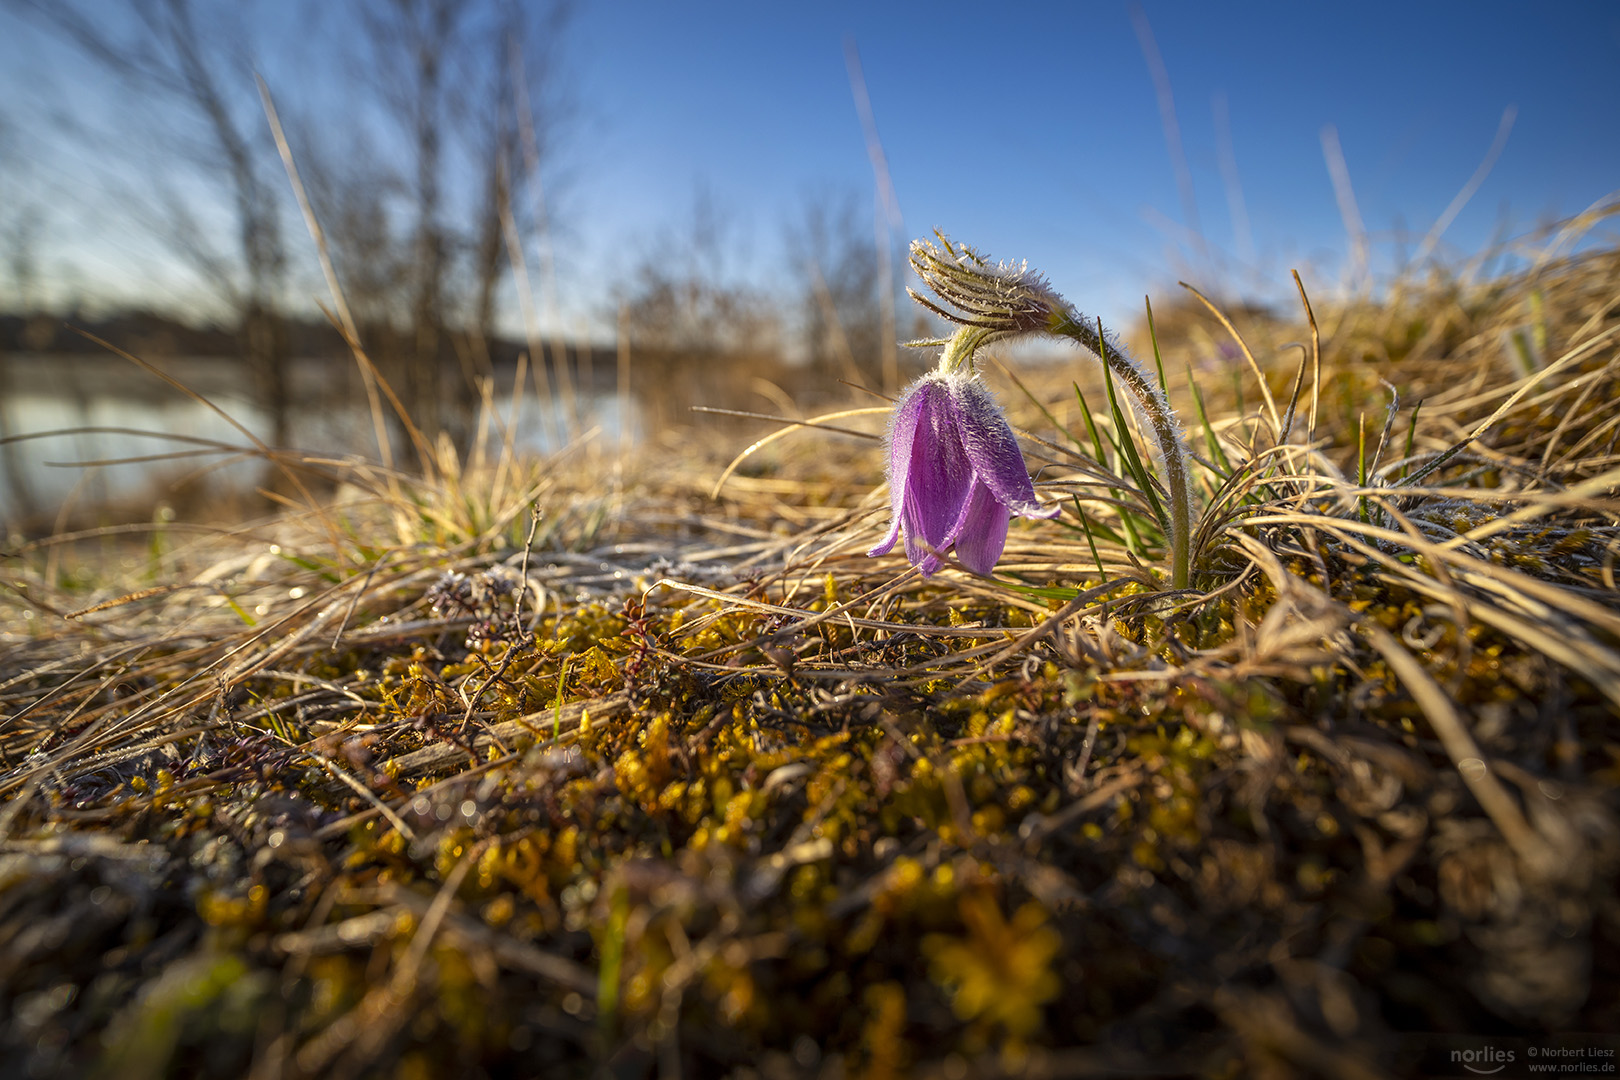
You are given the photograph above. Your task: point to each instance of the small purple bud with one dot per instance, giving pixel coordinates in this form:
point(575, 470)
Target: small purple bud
point(956, 475)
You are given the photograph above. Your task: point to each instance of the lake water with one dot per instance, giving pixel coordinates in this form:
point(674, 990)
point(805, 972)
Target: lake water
point(138, 416)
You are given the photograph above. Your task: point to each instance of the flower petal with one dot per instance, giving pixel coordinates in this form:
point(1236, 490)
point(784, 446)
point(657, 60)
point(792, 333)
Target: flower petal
point(886, 545)
point(993, 452)
point(903, 422)
point(983, 532)
point(939, 479)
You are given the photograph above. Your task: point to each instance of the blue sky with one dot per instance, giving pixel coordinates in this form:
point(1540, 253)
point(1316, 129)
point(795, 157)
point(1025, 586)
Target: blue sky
point(1031, 130)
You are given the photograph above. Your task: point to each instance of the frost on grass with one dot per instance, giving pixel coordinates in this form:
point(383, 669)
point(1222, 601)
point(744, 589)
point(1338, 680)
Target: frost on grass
point(666, 784)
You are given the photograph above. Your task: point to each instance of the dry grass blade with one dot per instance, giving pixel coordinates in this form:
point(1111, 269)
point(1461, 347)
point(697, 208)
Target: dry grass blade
point(1254, 365)
point(789, 427)
point(343, 320)
point(653, 782)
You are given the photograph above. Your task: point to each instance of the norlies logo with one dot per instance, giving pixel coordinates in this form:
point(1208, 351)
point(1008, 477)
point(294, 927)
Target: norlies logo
point(1484, 1061)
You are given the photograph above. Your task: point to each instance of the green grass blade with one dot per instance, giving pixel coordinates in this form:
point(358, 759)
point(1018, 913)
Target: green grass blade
point(1217, 453)
point(1132, 539)
point(1091, 427)
point(1153, 336)
point(1091, 542)
point(240, 613)
point(562, 680)
point(1411, 438)
point(1127, 444)
point(1044, 592)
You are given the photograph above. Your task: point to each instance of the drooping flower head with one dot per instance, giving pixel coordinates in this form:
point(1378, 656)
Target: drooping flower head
point(956, 475)
point(995, 301)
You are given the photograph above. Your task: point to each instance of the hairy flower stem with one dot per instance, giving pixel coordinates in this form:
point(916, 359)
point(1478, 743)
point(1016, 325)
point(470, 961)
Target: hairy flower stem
point(994, 301)
point(1145, 395)
point(1154, 409)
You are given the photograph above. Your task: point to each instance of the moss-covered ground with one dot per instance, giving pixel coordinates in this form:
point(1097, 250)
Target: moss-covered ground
point(543, 768)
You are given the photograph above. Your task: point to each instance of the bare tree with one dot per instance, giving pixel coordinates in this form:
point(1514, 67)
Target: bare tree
point(20, 222)
point(409, 41)
point(699, 330)
point(841, 288)
point(162, 52)
point(471, 88)
point(354, 195)
point(419, 216)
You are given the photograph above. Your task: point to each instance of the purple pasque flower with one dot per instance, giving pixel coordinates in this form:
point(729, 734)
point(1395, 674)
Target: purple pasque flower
point(956, 475)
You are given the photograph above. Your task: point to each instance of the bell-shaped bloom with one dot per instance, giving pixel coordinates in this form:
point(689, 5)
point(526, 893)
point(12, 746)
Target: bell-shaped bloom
point(956, 475)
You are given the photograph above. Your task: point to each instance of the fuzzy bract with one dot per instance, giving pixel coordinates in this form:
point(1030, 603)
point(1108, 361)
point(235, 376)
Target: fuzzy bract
point(1003, 298)
point(956, 475)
